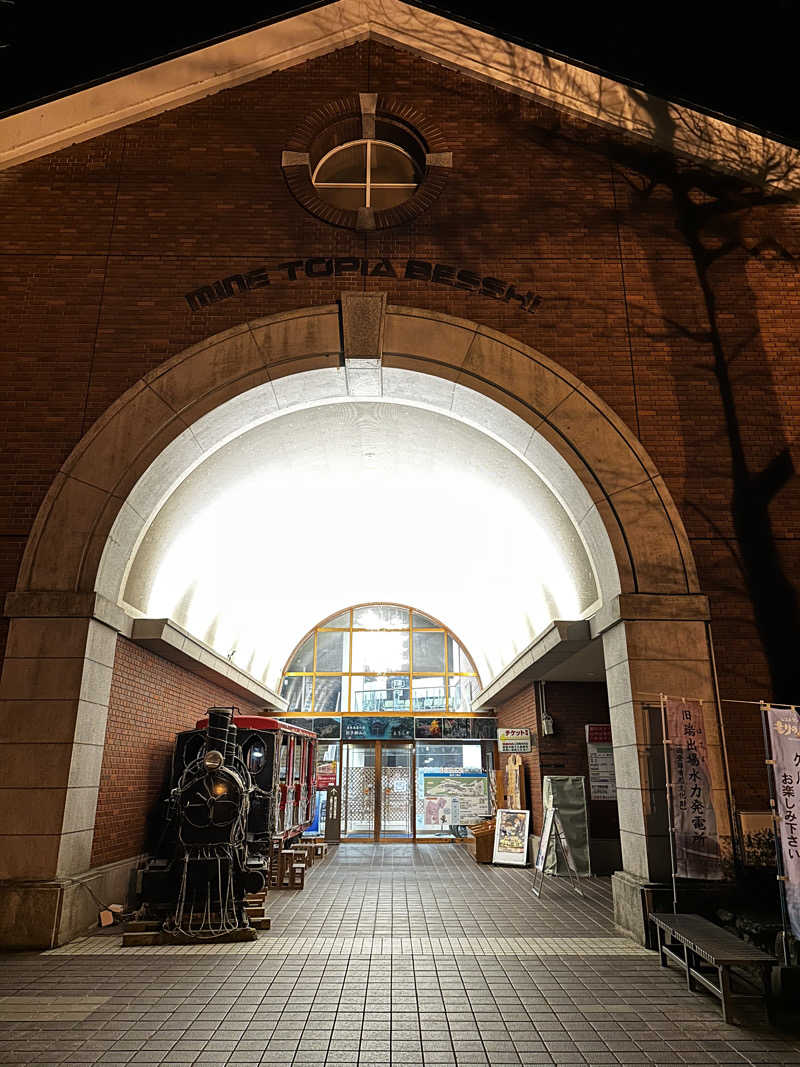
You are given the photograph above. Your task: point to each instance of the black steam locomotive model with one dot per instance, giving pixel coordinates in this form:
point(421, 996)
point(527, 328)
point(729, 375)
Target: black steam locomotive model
point(238, 790)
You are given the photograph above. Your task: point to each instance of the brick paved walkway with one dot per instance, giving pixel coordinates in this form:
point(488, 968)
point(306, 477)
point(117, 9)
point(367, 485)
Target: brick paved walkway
point(392, 954)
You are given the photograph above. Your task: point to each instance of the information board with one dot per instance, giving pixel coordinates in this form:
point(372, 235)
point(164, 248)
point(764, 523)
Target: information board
point(602, 776)
point(513, 739)
point(453, 797)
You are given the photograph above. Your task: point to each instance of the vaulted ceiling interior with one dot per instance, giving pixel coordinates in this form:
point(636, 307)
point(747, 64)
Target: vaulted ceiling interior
point(355, 501)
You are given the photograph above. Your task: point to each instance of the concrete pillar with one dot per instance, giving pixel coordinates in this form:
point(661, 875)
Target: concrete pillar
point(54, 694)
point(652, 645)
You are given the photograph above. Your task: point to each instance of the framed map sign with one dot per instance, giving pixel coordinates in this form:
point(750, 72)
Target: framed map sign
point(454, 797)
point(511, 837)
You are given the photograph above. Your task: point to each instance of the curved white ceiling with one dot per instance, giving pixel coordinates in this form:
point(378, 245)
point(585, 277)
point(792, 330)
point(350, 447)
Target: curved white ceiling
point(352, 501)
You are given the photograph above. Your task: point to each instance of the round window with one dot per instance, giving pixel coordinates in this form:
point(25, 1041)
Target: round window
point(366, 162)
point(366, 173)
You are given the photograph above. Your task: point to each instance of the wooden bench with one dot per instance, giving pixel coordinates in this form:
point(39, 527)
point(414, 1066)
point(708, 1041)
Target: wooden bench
point(701, 949)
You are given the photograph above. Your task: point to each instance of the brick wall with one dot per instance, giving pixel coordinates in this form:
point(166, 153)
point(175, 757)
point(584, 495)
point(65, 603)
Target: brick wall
point(572, 706)
point(102, 239)
point(520, 711)
point(151, 700)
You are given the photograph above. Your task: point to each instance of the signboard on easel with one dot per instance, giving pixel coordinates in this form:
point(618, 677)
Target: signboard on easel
point(544, 840)
point(553, 828)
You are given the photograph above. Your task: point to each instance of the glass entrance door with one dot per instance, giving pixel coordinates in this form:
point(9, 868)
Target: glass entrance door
point(377, 791)
point(397, 780)
point(359, 795)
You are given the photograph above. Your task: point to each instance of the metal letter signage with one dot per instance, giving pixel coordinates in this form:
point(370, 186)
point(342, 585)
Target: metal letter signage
point(455, 277)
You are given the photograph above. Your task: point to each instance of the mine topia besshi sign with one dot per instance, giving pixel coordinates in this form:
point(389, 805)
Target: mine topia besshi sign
point(316, 267)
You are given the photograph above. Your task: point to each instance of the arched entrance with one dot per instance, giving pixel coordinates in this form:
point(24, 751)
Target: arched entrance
point(69, 605)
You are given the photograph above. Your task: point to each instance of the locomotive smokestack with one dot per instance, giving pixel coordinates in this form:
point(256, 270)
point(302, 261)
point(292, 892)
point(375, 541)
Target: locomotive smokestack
point(219, 721)
point(230, 745)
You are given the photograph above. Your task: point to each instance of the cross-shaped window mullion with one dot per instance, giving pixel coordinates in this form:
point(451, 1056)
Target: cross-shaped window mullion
point(369, 172)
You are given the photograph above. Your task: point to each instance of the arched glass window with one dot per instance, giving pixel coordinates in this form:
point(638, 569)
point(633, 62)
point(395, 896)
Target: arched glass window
point(375, 658)
point(367, 173)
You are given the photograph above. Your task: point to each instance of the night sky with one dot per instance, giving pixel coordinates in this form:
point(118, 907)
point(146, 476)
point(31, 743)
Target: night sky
point(709, 54)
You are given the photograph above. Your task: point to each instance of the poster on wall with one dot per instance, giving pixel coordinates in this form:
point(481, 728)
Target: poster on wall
point(303, 724)
point(484, 729)
point(602, 777)
point(784, 740)
point(326, 774)
point(514, 739)
point(429, 729)
point(456, 728)
point(376, 728)
point(452, 797)
point(695, 839)
point(511, 837)
point(328, 728)
point(758, 838)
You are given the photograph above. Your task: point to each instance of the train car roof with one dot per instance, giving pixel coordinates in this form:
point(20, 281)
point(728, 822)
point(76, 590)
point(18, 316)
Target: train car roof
point(259, 722)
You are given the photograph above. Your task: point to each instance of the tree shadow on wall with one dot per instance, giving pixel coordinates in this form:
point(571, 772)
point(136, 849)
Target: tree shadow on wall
point(718, 219)
point(707, 231)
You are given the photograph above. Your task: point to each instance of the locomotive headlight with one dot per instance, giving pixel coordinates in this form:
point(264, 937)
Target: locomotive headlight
point(219, 789)
point(212, 760)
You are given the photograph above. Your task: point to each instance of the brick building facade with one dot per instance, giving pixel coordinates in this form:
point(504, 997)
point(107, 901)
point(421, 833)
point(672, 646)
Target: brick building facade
point(667, 286)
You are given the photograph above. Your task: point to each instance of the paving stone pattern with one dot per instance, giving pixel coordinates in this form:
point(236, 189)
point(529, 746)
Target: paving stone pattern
point(190, 1006)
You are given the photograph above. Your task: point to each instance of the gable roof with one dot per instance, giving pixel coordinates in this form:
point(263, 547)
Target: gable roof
point(90, 112)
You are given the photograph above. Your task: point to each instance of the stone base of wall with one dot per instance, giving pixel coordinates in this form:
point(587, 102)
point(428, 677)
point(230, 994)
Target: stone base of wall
point(633, 899)
point(46, 914)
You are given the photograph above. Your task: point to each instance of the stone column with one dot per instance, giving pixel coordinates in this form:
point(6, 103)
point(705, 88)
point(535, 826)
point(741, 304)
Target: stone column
point(653, 644)
point(54, 696)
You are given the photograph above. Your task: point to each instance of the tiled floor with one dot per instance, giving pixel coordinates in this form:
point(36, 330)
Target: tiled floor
point(391, 955)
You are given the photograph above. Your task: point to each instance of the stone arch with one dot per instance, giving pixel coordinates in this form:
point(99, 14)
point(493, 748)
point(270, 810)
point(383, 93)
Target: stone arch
point(70, 532)
point(65, 615)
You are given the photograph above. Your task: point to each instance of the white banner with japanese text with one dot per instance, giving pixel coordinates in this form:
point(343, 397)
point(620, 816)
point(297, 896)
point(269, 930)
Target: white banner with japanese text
point(696, 843)
point(784, 739)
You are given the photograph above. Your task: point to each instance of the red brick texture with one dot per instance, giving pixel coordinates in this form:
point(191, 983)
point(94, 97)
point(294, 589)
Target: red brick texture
point(520, 712)
point(572, 706)
point(151, 700)
point(102, 240)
